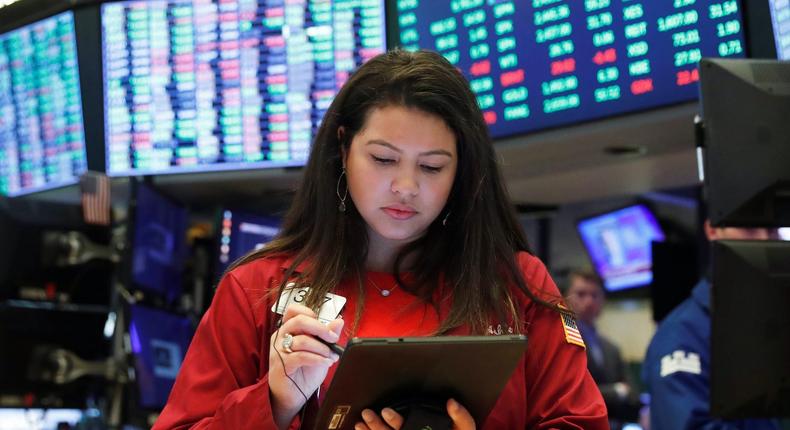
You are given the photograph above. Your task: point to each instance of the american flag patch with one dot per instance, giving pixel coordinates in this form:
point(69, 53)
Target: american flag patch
point(572, 334)
point(95, 189)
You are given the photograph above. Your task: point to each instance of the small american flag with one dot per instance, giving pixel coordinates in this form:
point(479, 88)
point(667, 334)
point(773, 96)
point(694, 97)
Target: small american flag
point(95, 188)
point(572, 334)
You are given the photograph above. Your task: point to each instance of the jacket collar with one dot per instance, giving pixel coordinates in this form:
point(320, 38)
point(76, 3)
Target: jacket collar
point(285, 264)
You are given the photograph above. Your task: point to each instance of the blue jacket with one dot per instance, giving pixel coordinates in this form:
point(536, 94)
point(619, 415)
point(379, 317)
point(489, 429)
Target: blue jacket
point(677, 370)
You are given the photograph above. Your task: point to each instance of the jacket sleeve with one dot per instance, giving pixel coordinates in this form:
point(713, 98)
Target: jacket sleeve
point(679, 399)
point(561, 394)
point(624, 408)
point(219, 385)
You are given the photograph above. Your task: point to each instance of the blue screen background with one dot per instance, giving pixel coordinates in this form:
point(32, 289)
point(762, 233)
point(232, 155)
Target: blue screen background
point(539, 64)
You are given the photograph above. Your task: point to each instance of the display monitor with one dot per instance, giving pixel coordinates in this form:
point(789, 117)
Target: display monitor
point(675, 268)
point(194, 86)
point(619, 245)
point(780, 18)
point(158, 242)
point(23, 418)
point(33, 248)
point(535, 64)
point(241, 233)
point(20, 253)
point(749, 373)
point(29, 331)
point(746, 142)
point(159, 342)
point(42, 140)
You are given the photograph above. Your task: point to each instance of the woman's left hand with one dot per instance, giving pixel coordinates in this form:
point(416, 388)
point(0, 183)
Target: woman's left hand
point(390, 419)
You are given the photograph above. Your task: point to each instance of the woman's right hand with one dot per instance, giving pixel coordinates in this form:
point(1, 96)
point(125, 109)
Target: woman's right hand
point(389, 419)
point(306, 364)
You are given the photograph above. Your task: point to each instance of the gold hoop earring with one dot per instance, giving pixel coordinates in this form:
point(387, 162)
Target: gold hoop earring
point(342, 205)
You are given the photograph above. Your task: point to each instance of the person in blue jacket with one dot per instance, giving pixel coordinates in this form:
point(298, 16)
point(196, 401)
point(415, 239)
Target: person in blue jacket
point(677, 364)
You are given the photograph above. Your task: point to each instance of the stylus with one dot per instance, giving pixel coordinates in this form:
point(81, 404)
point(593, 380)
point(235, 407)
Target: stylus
point(337, 349)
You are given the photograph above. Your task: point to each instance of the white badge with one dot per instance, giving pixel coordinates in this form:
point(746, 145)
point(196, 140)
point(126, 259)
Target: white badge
point(293, 294)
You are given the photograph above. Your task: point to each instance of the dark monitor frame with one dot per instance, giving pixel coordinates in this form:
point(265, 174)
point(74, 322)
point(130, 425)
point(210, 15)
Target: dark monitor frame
point(745, 148)
point(750, 352)
point(88, 28)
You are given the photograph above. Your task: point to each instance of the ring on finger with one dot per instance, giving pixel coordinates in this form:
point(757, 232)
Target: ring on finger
point(288, 341)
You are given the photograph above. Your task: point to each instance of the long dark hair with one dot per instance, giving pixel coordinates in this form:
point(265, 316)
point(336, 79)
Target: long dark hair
point(472, 255)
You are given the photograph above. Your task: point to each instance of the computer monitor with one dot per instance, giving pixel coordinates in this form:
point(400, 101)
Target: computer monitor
point(619, 245)
point(41, 418)
point(159, 342)
point(195, 86)
point(780, 19)
point(240, 233)
point(746, 144)
point(31, 263)
point(42, 140)
point(158, 246)
point(675, 267)
point(28, 329)
point(540, 64)
point(750, 375)
point(19, 254)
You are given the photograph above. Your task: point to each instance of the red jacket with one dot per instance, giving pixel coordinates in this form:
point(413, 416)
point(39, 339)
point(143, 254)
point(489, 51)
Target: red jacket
point(223, 382)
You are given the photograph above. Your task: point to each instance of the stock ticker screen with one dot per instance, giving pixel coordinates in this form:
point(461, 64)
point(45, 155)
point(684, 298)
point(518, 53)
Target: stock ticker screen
point(536, 64)
point(202, 85)
point(42, 140)
point(780, 19)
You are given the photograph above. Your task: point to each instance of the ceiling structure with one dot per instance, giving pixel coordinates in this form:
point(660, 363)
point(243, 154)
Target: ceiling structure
point(627, 155)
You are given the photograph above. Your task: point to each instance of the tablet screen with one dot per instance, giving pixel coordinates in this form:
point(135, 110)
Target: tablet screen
point(392, 372)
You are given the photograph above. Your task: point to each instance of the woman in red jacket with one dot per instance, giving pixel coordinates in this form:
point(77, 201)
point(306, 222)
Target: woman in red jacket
point(403, 221)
